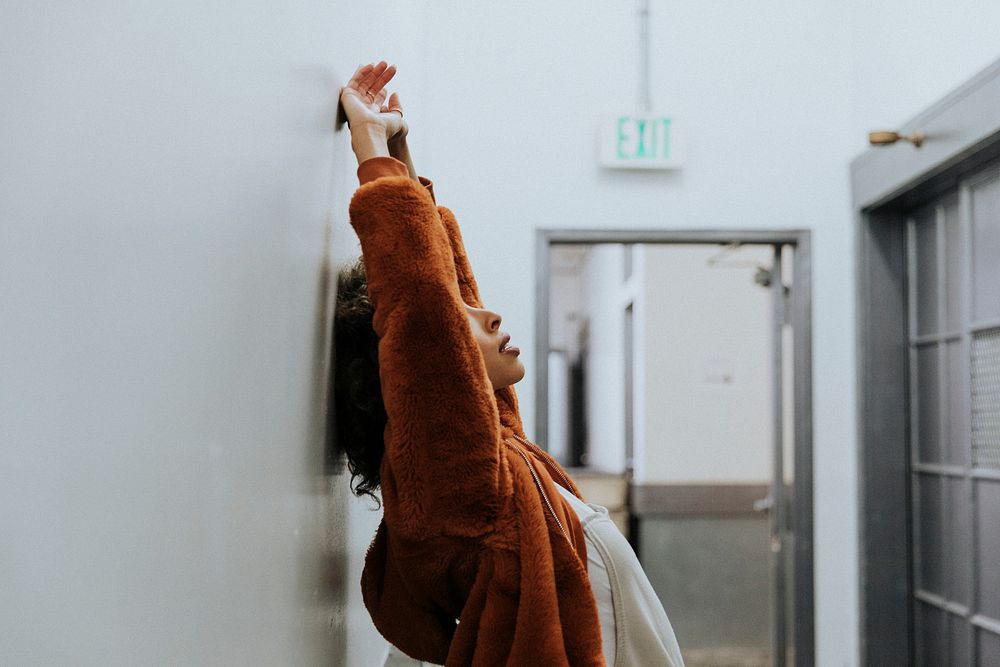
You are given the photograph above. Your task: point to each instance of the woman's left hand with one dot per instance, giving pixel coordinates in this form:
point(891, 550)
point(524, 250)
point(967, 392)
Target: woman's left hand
point(365, 104)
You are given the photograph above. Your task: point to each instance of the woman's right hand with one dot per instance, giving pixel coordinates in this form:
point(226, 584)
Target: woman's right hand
point(365, 105)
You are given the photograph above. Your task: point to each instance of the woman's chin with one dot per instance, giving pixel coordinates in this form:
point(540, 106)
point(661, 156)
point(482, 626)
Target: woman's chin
point(509, 380)
point(518, 375)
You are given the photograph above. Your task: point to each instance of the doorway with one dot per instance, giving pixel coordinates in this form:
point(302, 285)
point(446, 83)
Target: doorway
point(759, 514)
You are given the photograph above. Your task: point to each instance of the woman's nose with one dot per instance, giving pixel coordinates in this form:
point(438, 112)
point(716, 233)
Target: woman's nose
point(493, 320)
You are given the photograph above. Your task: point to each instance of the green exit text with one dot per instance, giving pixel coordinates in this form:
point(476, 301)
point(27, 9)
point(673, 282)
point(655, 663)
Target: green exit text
point(643, 138)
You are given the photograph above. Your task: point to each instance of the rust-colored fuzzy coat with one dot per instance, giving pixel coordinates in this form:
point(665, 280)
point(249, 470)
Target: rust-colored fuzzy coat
point(466, 534)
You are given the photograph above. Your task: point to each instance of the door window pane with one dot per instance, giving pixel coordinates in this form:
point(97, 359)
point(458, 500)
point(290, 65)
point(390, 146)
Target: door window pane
point(925, 272)
point(928, 405)
point(953, 265)
point(986, 399)
point(960, 639)
point(930, 635)
point(929, 525)
point(989, 648)
point(958, 544)
point(988, 550)
point(957, 447)
point(986, 250)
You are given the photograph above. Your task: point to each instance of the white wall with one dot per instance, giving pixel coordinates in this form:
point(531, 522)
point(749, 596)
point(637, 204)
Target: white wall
point(701, 323)
point(905, 56)
point(169, 187)
point(566, 300)
point(603, 307)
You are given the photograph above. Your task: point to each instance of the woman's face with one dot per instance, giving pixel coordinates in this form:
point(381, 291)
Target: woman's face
point(502, 365)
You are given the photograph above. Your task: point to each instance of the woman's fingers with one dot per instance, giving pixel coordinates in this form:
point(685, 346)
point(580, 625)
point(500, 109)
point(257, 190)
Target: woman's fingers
point(372, 76)
point(370, 80)
point(394, 104)
point(359, 75)
point(384, 77)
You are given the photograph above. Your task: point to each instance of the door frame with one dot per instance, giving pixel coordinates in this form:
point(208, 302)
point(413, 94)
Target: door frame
point(963, 135)
point(800, 318)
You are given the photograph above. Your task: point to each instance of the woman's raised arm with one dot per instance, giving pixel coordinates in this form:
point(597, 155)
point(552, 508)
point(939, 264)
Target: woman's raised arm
point(369, 105)
point(441, 472)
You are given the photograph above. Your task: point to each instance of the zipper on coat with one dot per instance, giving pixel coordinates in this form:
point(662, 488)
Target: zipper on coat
point(569, 485)
point(541, 490)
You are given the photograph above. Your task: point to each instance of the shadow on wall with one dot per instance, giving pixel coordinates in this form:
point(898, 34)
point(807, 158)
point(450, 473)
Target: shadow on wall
point(327, 588)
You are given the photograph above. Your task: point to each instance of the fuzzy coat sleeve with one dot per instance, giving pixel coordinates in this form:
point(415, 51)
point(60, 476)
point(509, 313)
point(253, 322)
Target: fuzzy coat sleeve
point(441, 472)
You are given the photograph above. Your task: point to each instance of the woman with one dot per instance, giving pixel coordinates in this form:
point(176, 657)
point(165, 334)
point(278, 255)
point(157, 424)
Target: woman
point(486, 553)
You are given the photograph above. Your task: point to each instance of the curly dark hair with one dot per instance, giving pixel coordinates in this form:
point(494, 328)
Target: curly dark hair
point(358, 408)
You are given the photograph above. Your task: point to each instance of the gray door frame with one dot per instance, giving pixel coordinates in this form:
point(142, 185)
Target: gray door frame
point(963, 135)
point(799, 316)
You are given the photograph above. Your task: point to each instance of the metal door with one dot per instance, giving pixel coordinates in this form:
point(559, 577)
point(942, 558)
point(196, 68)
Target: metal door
point(953, 248)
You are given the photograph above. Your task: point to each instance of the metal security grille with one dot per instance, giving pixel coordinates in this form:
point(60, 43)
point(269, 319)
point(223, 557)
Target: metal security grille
point(986, 399)
point(954, 342)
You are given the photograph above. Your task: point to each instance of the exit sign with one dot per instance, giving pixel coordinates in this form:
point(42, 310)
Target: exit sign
point(639, 141)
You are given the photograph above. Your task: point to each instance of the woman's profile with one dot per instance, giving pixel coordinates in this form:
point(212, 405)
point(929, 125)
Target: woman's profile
point(486, 553)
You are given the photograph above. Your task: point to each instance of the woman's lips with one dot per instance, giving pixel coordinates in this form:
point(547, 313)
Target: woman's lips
point(505, 350)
